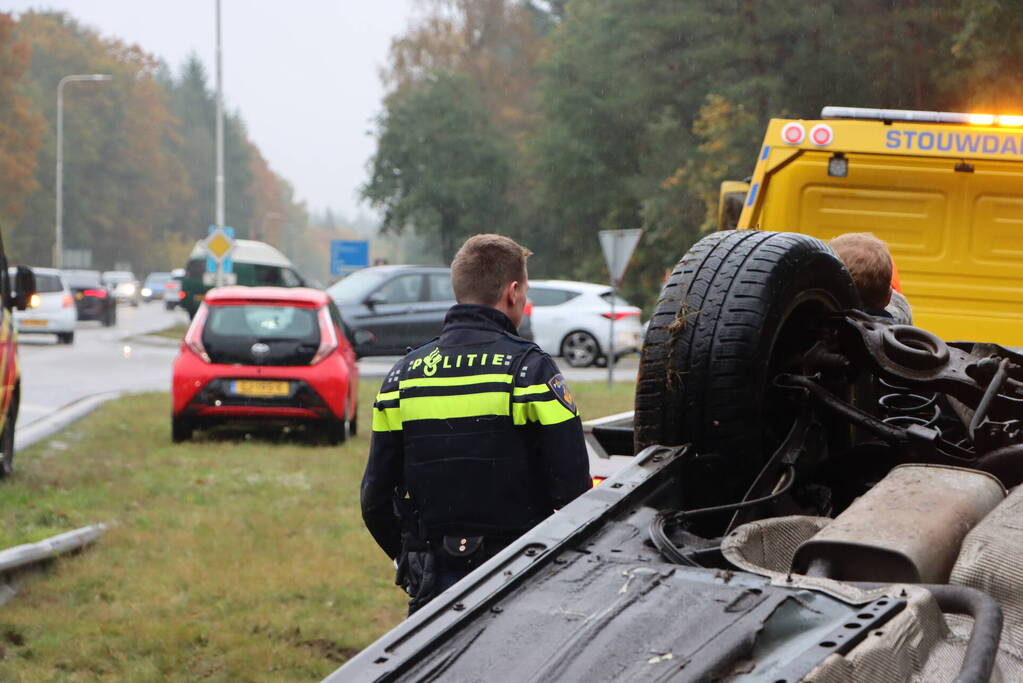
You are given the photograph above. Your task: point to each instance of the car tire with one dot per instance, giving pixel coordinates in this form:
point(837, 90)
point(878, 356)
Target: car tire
point(7, 439)
point(65, 337)
point(110, 319)
point(735, 306)
point(580, 349)
point(353, 425)
point(181, 429)
point(335, 431)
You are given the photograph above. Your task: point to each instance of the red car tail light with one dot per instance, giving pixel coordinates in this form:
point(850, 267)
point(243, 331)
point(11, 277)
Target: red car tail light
point(328, 338)
point(528, 309)
point(618, 316)
point(34, 301)
point(193, 338)
point(67, 301)
point(98, 293)
point(181, 294)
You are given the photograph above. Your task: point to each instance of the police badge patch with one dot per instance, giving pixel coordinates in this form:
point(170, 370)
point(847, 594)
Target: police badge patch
point(561, 391)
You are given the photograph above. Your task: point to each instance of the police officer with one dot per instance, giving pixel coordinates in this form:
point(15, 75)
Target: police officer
point(476, 437)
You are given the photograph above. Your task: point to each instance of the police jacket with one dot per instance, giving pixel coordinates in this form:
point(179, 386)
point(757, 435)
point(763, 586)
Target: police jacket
point(476, 432)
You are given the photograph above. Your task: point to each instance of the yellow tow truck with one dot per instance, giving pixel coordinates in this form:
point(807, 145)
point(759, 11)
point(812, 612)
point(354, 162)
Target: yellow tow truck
point(943, 189)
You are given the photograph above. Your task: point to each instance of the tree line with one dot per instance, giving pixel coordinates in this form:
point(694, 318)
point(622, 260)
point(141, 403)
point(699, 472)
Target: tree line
point(549, 121)
point(139, 156)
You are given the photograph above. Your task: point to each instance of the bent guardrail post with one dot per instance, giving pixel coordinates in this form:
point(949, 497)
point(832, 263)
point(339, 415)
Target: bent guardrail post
point(30, 553)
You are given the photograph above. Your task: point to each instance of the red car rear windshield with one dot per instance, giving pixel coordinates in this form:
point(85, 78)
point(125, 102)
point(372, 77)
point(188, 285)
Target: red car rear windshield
point(291, 333)
point(263, 322)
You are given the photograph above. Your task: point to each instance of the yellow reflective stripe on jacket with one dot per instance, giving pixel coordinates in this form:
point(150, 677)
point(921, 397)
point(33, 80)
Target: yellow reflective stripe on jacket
point(532, 389)
point(386, 419)
point(549, 412)
point(454, 381)
point(449, 407)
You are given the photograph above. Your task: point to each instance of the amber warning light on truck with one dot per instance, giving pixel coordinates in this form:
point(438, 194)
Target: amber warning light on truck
point(1008, 120)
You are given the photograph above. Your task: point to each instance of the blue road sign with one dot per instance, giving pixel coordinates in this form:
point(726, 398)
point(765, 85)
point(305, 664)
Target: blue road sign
point(348, 255)
point(211, 263)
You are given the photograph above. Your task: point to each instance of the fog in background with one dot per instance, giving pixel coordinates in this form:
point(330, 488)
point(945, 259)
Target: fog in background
point(304, 75)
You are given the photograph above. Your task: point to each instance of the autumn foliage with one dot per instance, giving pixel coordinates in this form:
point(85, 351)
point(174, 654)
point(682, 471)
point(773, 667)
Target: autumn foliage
point(625, 114)
point(139, 153)
point(20, 126)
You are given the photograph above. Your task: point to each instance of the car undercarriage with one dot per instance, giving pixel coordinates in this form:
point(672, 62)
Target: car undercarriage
point(853, 515)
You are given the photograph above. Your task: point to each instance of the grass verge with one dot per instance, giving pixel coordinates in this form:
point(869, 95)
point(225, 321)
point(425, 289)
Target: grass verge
point(173, 332)
point(231, 559)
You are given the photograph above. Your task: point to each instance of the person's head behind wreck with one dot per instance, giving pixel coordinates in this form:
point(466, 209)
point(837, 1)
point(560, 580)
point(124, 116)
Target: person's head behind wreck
point(870, 264)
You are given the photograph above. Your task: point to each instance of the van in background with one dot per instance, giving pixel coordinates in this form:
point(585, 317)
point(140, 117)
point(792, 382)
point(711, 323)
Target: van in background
point(255, 264)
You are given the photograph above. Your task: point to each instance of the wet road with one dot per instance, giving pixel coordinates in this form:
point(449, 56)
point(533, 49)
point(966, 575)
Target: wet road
point(108, 359)
point(101, 360)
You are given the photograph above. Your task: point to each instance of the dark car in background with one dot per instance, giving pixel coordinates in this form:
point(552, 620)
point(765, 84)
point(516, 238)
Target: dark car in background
point(93, 299)
point(391, 308)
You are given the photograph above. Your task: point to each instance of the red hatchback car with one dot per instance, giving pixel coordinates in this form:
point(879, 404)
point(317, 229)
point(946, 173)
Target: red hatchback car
point(266, 353)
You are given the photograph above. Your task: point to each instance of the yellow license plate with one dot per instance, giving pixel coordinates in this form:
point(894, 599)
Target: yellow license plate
point(34, 323)
point(244, 387)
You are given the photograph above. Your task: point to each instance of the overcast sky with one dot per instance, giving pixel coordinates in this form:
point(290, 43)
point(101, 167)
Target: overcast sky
point(304, 73)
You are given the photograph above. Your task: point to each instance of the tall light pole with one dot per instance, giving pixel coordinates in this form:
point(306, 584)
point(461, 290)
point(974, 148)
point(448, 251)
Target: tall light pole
point(219, 181)
point(58, 244)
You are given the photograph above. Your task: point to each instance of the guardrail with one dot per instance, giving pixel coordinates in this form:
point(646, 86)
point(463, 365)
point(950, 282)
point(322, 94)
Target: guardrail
point(21, 556)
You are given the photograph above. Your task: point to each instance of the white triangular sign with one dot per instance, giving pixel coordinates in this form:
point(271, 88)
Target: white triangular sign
point(618, 246)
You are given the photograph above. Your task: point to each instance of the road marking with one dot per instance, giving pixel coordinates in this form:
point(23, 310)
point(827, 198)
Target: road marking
point(35, 408)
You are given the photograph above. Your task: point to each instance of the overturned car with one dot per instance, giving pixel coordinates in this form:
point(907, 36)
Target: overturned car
point(817, 495)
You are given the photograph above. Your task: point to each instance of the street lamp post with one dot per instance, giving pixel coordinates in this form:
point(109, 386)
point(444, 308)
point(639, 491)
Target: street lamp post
point(219, 179)
point(58, 244)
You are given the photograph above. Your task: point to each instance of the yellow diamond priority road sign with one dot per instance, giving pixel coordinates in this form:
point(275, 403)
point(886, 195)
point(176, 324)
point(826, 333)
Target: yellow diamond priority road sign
point(219, 244)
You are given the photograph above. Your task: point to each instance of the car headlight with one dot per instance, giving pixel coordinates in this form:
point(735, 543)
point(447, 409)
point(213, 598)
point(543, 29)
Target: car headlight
point(146, 291)
point(129, 289)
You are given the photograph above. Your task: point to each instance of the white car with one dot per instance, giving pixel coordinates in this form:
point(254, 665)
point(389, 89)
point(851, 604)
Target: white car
point(51, 310)
point(573, 320)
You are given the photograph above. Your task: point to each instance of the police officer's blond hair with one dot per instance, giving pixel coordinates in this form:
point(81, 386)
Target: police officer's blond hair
point(484, 266)
point(869, 263)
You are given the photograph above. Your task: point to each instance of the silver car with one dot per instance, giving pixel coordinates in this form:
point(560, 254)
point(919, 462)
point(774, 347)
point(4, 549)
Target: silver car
point(51, 310)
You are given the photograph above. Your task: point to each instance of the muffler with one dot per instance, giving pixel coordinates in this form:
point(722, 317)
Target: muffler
point(906, 529)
